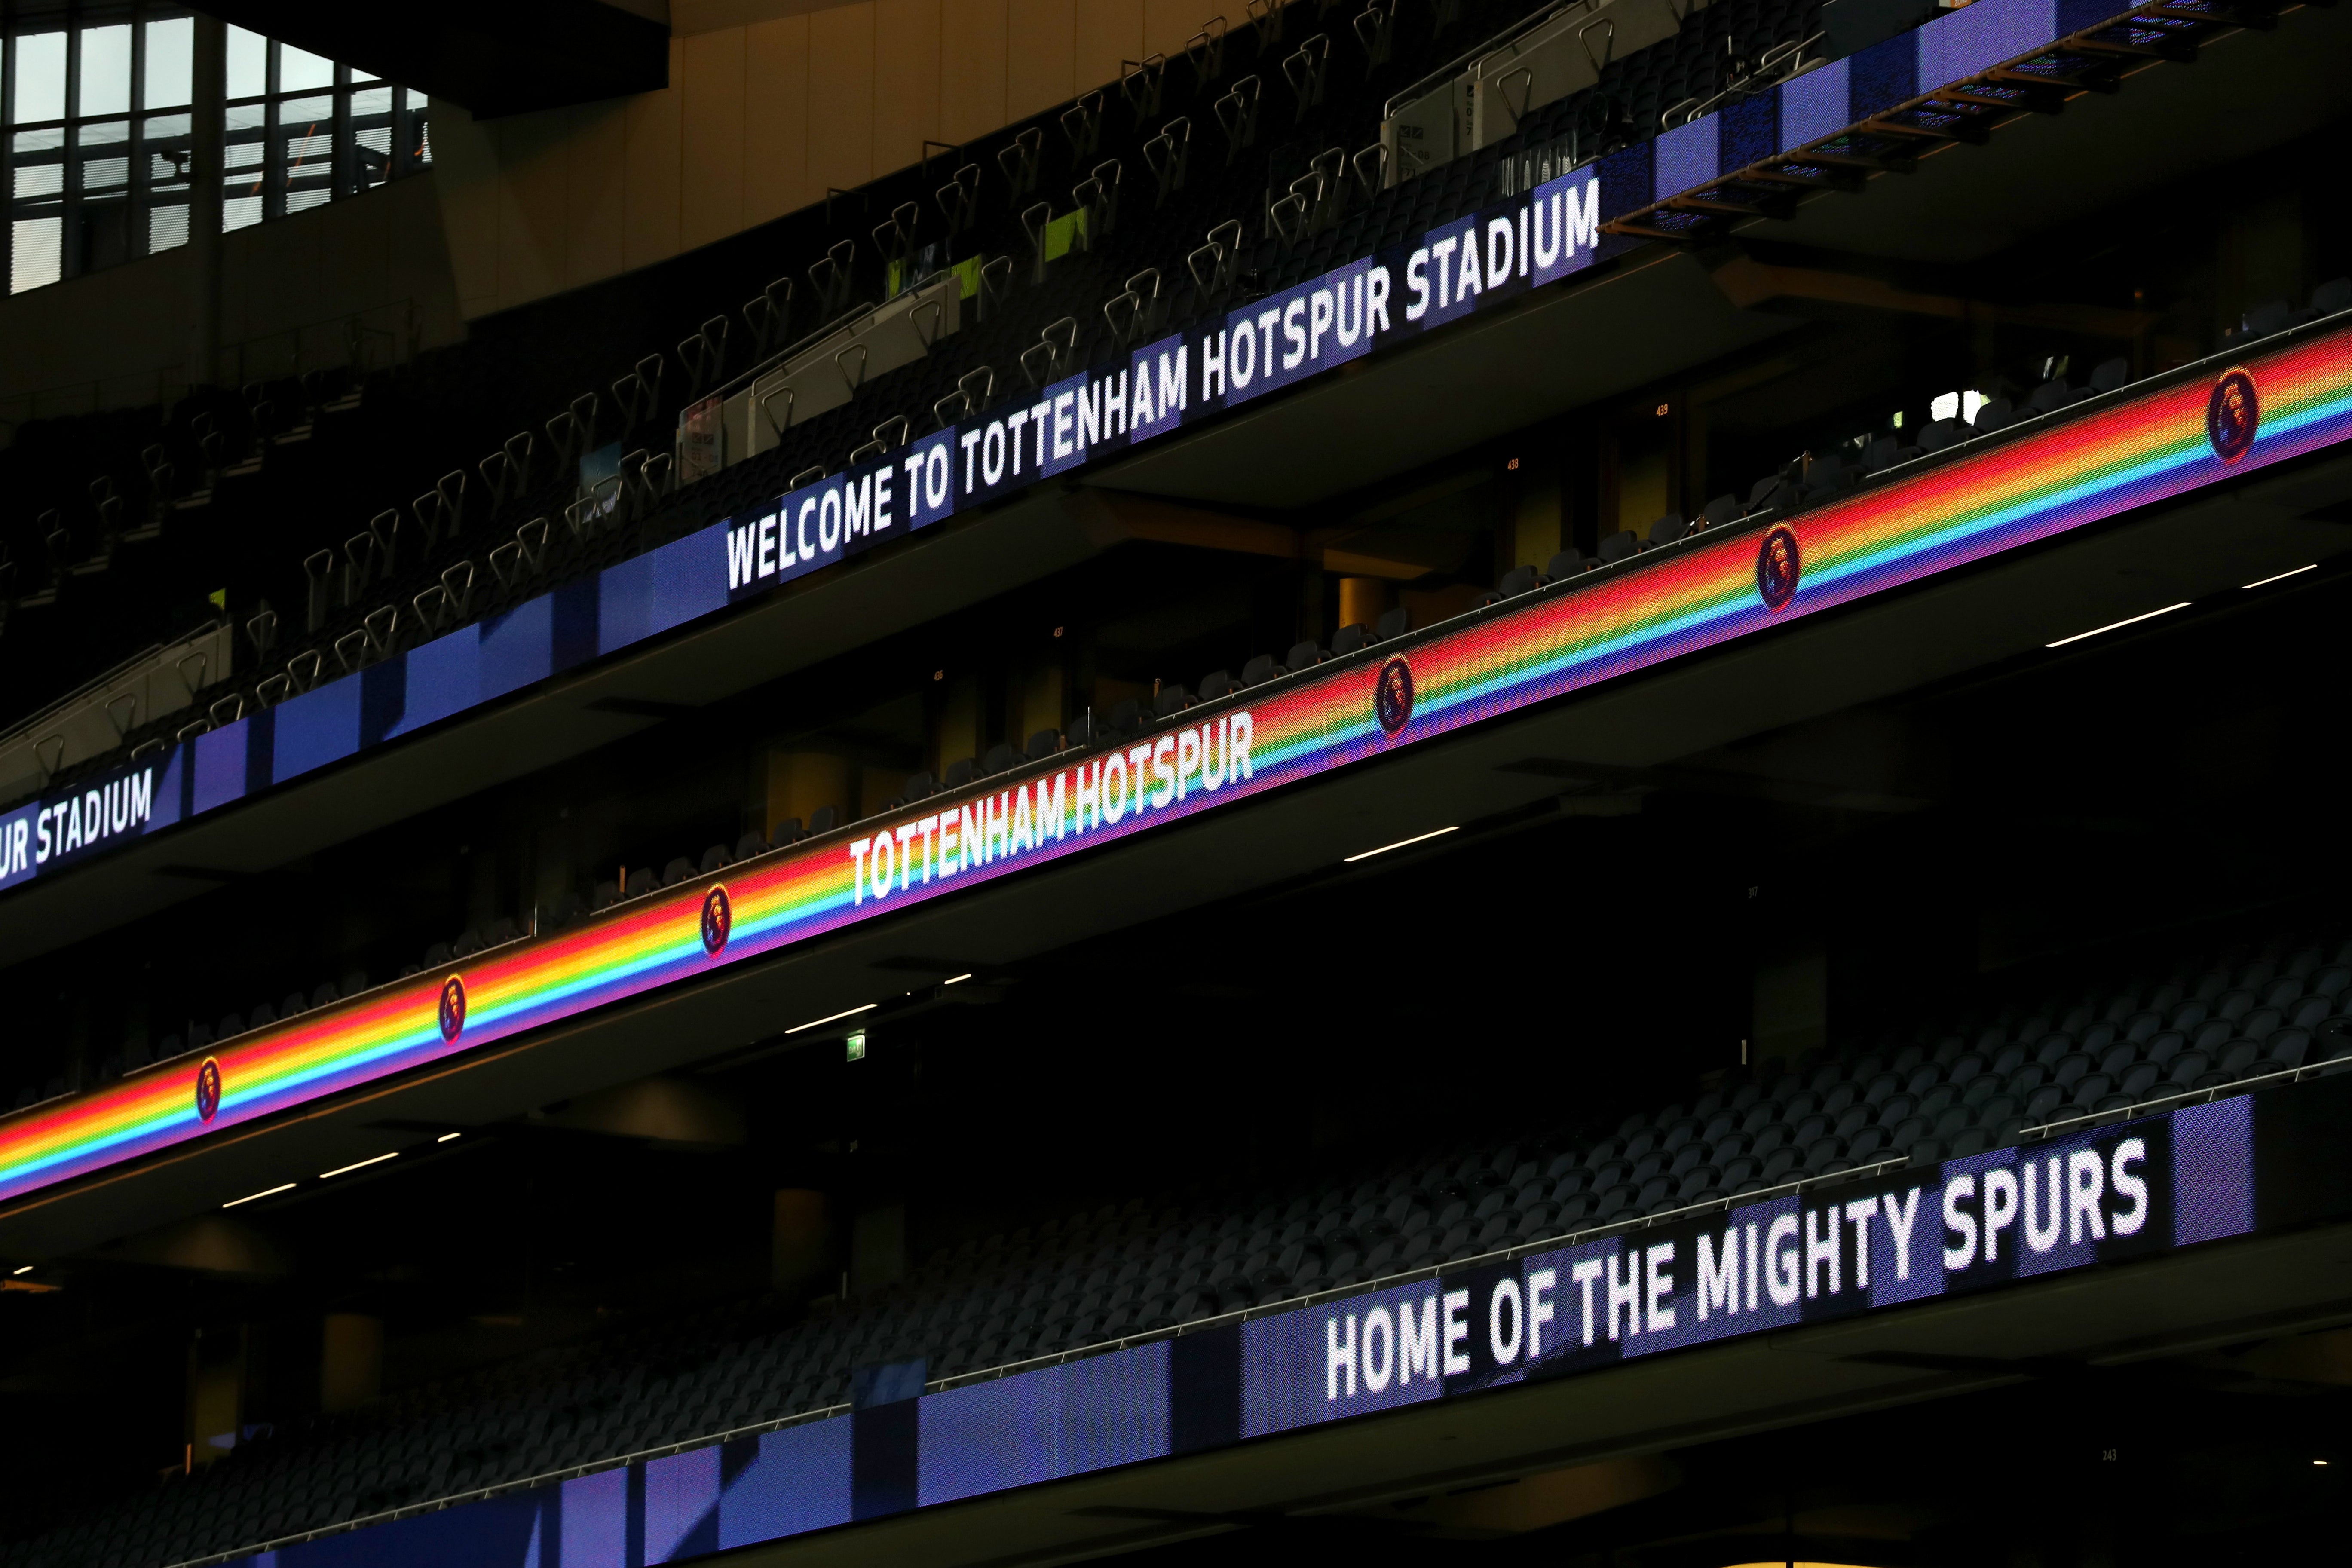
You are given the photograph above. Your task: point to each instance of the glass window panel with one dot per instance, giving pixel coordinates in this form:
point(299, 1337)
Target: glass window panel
point(32, 144)
point(249, 63)
point(105, 173)
point(375, 153)
point(240, 211)
point(167, 225)
point(297, 112)
point(40, 179)
point(298, 201)
point(103, 133)
point(160, 126)
point(247, 117)
point(38, 253)
point(40, 77)
point(170, 59)
point(106, 70)
point(298, 70)
point(370, 100)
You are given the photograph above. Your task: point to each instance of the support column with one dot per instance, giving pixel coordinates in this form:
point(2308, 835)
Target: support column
point(878, 1249)
point(1043, 698)
point(1363, 600)
point(208, 95)
point(215, 1393)
point(350, 1359)
point(801, 782)
point(800, 1258)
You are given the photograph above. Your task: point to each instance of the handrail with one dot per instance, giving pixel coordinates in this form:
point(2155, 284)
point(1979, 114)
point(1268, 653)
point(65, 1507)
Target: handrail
point(1218, 1320)
point(1419, 89)
point(80, 694)
point(810, 339)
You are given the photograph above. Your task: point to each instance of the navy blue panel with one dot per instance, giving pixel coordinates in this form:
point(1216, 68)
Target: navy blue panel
point(575, 628)
point(883, 1445)
point(1883, 75)
point(735, 1456)
point(1751, 131)
point(1628, 180)
point(260, 749)
point(383, 697)
point(2074, 16)
point(699, 1541)
point(1205, 1382)
point(493, 1533)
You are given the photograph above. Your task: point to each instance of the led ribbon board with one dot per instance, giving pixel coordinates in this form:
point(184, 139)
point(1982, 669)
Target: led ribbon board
point(2106, 1196)
point(1471, 263)
point(1705, 593)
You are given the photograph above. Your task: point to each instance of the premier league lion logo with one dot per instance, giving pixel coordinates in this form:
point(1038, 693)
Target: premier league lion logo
point(1778, 566)
point(1392, 697)
point(208, 1091)
point(453, 1007)
point(718, 920)
point(2232, 415)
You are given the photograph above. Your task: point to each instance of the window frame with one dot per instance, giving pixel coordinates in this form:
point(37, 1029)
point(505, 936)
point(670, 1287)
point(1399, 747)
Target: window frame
point(345, 168)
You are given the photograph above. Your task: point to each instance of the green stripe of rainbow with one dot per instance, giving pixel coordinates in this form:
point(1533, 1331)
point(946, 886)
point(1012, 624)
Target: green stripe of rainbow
point(2030, 487)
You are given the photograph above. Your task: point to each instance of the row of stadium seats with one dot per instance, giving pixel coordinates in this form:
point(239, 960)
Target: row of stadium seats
point(455, 553)
point(1953, 1086)
point(1805, 480)
point(1127, 718)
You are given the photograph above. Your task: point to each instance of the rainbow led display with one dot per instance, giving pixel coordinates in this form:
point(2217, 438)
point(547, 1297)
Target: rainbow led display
point(2188, 433)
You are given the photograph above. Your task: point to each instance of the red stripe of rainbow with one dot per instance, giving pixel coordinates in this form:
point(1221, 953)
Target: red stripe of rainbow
point(2028, 488)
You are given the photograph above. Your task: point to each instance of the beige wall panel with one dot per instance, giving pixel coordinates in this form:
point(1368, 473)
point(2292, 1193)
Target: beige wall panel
point(1038, 72)
point(466, 173)
point(117, 337)
point(688, 16)
point(1168, 23)
point(713, 205)
point(250, 269)
point(1109, 31)
point(416, 260)
point(776, 119)
point(841, 99)
point(973, 36)
point(596, 206)
point(906, 82)
point(650, 227)
point(355, 249)
point(533, 203)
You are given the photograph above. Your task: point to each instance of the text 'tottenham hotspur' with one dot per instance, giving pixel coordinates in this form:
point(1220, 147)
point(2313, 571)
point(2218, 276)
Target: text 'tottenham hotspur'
point(1100, 792)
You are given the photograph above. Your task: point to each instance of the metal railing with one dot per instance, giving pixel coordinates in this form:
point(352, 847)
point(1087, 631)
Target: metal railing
point(373, 337)
point(1291, 1303)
